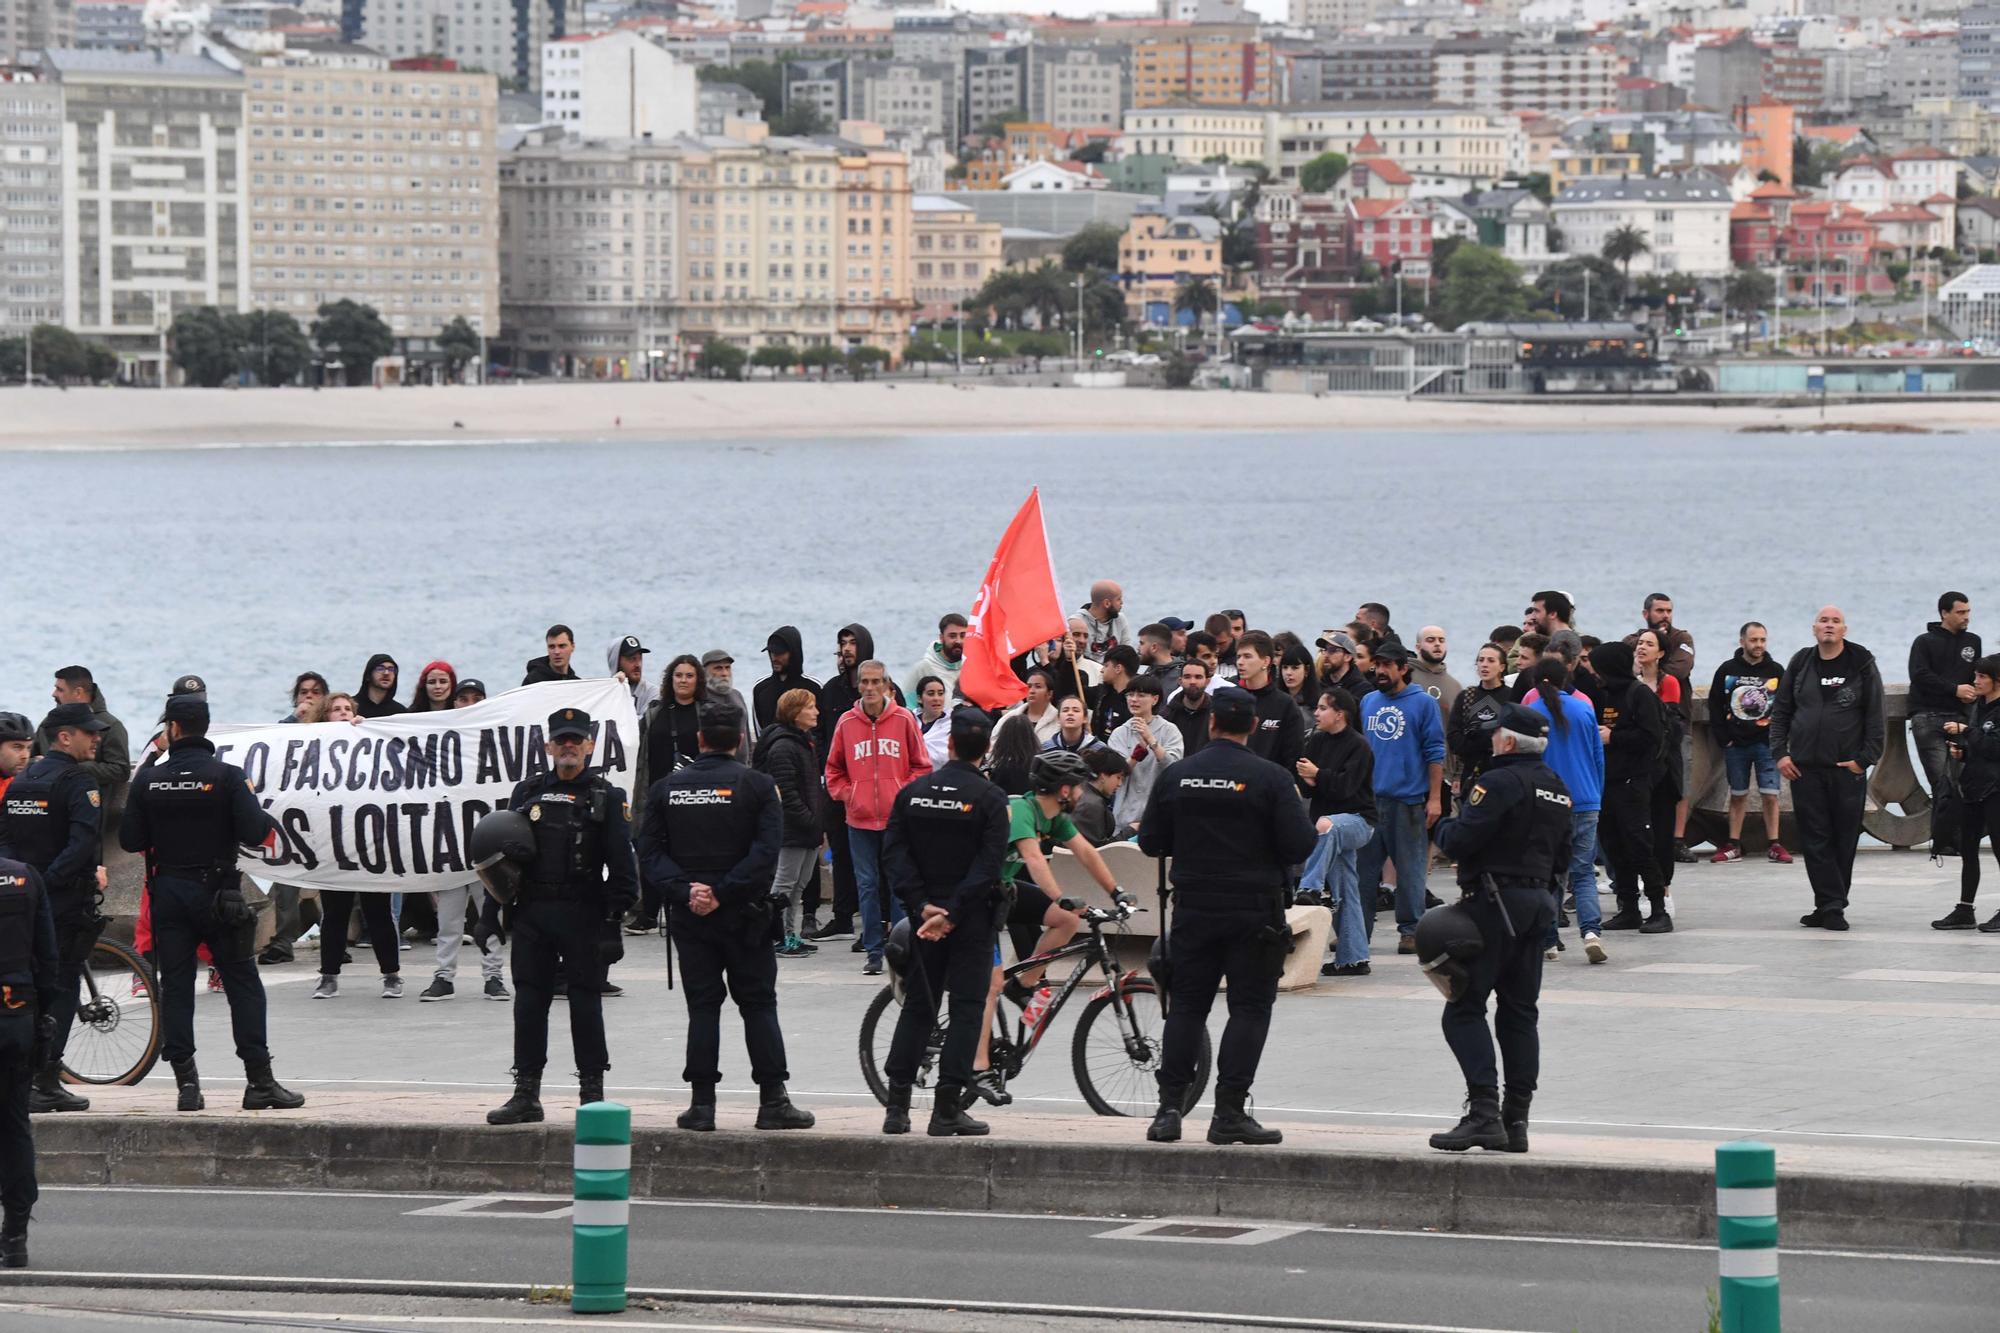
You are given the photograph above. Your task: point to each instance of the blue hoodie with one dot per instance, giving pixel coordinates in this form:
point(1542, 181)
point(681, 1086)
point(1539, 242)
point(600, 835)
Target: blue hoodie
point(1576, 753)
point(1406, 731)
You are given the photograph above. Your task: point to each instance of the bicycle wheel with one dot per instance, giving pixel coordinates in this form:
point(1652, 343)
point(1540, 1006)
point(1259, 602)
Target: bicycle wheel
point(116, 1036)
point(1117, 1074)
point(878, 1029)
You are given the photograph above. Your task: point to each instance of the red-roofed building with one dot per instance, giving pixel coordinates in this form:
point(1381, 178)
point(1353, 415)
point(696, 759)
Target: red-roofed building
point(1381, 231)
point(1303, 257)
point(1825, 247)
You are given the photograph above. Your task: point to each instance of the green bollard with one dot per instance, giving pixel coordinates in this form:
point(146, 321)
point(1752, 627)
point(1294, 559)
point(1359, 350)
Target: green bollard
point(603, 1210)
point(1746, 1230)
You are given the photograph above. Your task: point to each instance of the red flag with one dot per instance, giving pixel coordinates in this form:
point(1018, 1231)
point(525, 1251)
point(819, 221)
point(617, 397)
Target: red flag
point(1017, 608)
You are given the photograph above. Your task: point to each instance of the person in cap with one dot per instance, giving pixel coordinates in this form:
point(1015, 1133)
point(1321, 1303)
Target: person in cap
point(1336, 663)
point(188, 814)
point(1511, 839)
point(941, 855)
point(709, 846)
point(1234, 826)
point(718, 669)
point(28, 967)
point(627, 662)
point(17, 742)
point(582, 880)
point(51, 818)
point(469, 692)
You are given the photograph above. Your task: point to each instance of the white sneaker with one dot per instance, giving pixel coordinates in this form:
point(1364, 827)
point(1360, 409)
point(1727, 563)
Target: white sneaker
point(328, 988)
point(1551, 954)
point(392, 987)
point(1593, 948)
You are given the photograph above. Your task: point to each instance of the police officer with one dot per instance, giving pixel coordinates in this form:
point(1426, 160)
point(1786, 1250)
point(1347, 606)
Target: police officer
point(1511, 839)
point(941, 854)
point(50, 818)
point(28, 966)
point(708, 847)
point(187, 814)
point(1234, 825)
point(581, 881)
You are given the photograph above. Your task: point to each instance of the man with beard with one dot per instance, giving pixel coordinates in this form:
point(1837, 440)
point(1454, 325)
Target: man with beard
point(1406, 732)
point(946, 657)
point(1677, 661)
point(1429, 671)
point(787, 654)
point(1336, 663)
point(720, 669)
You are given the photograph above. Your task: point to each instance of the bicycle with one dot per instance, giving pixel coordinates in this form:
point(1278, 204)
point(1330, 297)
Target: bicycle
point(1116, 1059)
point(116, 1037)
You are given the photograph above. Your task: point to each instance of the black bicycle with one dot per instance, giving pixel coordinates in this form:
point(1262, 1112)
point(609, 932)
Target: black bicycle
point(1116, 1050)
point(117, 1034)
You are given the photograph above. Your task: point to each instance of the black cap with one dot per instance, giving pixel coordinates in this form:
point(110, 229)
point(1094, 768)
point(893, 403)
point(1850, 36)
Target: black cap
point(185, 708)
point(188, 685)
point(1518, 718)
point(1391, 650)
point(1235, 708)
point(78, 716)
point(14, 727)
point(568, 722)
point(1176, 623)
point(719, 713)
point(630, 644)
point(969, 721)
point(472, 683)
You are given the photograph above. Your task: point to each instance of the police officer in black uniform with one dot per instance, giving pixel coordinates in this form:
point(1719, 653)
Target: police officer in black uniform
point(1234, 825)
point(941, 854)
point(29, 961)
point(564, 921)
point(187, 814)
point(51, 818)
point(1511, 839)
point(708, 847)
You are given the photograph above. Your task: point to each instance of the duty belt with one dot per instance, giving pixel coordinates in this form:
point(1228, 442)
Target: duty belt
point(535, 891)
point(1246, 899)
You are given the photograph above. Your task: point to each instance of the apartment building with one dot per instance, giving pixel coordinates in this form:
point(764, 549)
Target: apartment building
point(953, 256)
point(1195, 133)
point(31, 206)
point(1504, 74)
point(1206, 68)
point(1372, 70)
point(617, 85)
point(109, 25)
point(1685, 221)
point(35, 25)
point(1157, 254)
point(503, 37)
point(374, 181)
point(1077, 87)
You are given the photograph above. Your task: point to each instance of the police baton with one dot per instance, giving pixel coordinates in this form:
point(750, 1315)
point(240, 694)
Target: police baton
point(1165, 896)
point(1493, 892)
point(667, 937)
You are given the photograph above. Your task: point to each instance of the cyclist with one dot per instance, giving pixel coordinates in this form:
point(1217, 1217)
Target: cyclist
point(941, 854)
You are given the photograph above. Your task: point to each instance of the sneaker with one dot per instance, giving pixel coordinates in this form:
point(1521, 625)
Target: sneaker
point(807, 945)
point(1569, 902)
point(1991, 926)
point(1833, 921)
point(1432, 900)
point(809, 926)
point(214, 980)
point(328, 988)
point(992, 1089)
point(496, 989)
point(793, 947)
point(872, 968)
point(610, 988)
point(1682, 854)
point(857, 946)
point(639, 925)
point(1659, 923)
point(1551, 954)
point(1813, 918)
point(1406, 944)
point(1625, 918)
point(1776, 852)
point(1359, 969)
point(832, 930)
point(1593, 948)
point(1728, 852)
point(1959, 917)
point(273, 955)
point(392, 986)
point(138, 987)
point(439, 989)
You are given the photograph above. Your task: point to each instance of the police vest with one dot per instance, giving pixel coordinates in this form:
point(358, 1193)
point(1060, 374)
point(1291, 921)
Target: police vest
point(18, 909)
point(569, 837)
point(710, 820)
point(1537, 812)
point(36, 813)
point(945, 824)
point(190, 816)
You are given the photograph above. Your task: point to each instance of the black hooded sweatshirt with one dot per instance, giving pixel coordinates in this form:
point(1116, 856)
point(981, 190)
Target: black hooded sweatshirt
point(539, 670)
point(764, 698)
point(1637, 718)
point(1940, 662)
point(841, 693)
point(366, 707)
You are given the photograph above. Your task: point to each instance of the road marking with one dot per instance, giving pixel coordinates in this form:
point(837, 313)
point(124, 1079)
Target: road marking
point(1211, 1231)
point(497, 1205)
point(1921, 975)
point(1693, 969)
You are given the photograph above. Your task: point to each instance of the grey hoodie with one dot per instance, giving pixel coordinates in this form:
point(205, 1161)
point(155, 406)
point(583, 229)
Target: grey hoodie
point(644, 692)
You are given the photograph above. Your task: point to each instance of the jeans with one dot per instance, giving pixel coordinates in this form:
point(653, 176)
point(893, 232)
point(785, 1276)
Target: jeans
point(451, 934)
point(1740, 760)
point(1402, 837)
point(864, 846)
point(1333, 867)
point(1927, 732)
point(1827, 802)
point(1582, 876)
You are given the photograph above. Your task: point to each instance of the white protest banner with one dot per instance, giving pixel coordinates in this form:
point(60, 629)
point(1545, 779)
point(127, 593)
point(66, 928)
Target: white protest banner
point(388, 804)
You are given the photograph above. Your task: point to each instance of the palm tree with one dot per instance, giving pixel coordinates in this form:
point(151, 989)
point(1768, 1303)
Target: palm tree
point(1624, 245)
point(1198, 296)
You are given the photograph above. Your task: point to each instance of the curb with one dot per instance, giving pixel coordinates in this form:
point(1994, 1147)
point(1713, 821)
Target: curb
point(1483, 1193)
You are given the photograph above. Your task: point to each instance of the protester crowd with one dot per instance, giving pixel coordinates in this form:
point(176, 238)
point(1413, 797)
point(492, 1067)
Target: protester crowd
point(1379, 730)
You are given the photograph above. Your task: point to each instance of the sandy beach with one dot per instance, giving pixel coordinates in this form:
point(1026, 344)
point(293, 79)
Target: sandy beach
point(44, 418)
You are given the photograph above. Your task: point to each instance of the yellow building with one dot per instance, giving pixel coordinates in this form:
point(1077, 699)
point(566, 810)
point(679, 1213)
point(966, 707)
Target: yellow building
point(1607, 154)
point(1157, 254)
point(1214, 70)
point(874, 302)
point(955, 254)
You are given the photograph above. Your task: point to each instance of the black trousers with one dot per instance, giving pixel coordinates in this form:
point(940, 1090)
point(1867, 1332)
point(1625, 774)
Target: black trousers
point(1827, 804)
point(17, 1141)
point(1509, 967)
point(846, 899)
point(959, 966)
point(730, 960)
point(336, 907)
point(1625, 831)
point(1205, 948)
point(71, 941)
point(557, 941)
point(184, 920)
point(1665, 796)
point(1979, 819)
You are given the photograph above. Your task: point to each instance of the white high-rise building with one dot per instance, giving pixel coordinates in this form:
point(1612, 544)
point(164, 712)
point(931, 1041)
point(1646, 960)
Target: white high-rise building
point(31, 211)
point(617, 85)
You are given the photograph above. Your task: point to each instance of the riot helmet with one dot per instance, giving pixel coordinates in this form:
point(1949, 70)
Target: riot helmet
point(502, 849)
point(1448, 940)
point(896, 955)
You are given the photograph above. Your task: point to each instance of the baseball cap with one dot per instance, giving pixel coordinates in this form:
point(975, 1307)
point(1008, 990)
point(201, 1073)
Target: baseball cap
point(1235, 708)
point(77, 716)
point(189, 686)
point(568, 722)
point(969, 721)
point(1176, 623)
point(185, 708)
point(630, 644)
point(1518, 718)
point(471, 684)
point(1335, 640)
point(715, 657)
point(1391, 650)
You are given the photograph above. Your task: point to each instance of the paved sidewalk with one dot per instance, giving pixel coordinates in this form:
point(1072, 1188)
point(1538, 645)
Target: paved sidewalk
point(1862, 1053)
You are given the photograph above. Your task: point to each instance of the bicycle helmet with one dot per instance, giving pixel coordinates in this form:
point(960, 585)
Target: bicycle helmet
point(14, 727)
point(1053, 770)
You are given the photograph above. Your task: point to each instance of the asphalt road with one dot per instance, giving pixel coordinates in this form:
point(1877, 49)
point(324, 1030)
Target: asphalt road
point(1082, 1268)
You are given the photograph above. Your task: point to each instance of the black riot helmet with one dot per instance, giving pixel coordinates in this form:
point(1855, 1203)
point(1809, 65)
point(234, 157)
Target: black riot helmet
point(502, 848)
point(1052, 770)
point(1160, 962)
point(1448, 940)
point(896, 951)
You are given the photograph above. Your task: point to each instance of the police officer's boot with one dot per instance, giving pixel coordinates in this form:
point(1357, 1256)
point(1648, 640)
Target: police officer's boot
point(1514, 1116)
point(948, 1117)
point(590, 1087)
point(1166, 1126)
point(1481, 1127)
point(189, 1082)
point(896, 1119)
point(775, 1109)
point(700, 1114)
point(14, 1241)
point(525, 1106)
point(47, 1093)
point(263, 1092)
point(1232, 1124)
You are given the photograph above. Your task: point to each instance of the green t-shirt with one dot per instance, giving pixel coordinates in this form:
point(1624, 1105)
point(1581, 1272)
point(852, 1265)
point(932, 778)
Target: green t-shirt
point(1026, 820)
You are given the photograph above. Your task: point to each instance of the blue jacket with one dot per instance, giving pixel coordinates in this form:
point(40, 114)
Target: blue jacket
point(1406, 731)
point(1576, 753)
